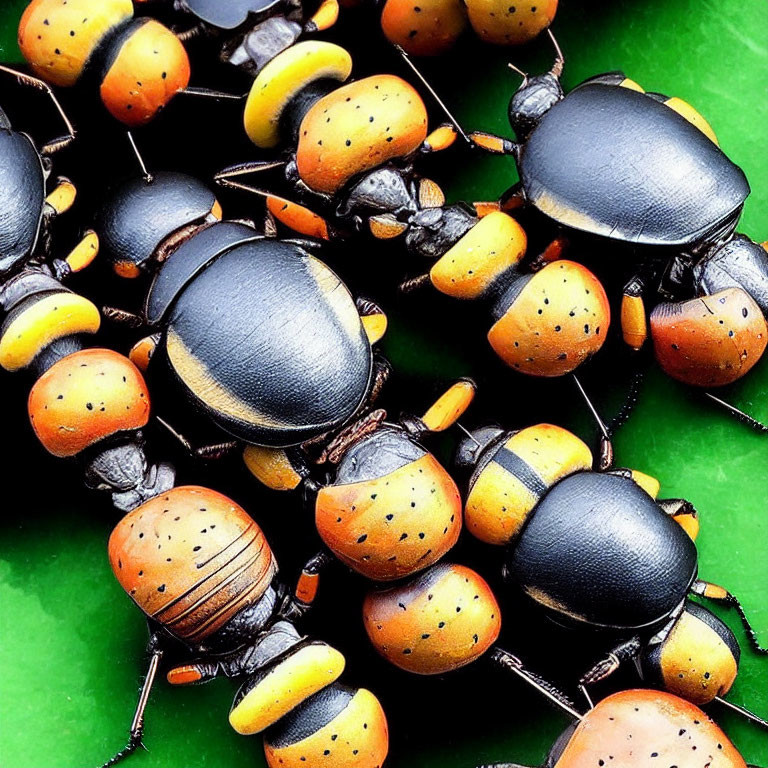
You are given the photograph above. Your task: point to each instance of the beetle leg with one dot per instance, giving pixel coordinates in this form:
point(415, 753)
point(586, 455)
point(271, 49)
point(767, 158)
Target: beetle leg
point(324, 17)
point(62, 141)
point(212, 452)
point(225, 175)
point(450, 406)
point(715, 592)
point(193, 673)
point(137, 725)
point(307, 585)
point(511, 663)
point(190, 34)
point(625, 651)
point(373, 318)
point(634, 326)
point(683, 513)
point(441, 138)
point(552, 252)
point(496, 145)
point(382, 370)
point(80, 257)
point(210, 93)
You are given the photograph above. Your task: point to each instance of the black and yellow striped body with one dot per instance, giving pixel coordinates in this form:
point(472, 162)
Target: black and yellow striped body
point(698, 659)
point(338, 728)
point(515, 473)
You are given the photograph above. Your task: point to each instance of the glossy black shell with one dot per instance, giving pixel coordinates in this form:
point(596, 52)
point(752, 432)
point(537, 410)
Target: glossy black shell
point(139, 215)
point(267, 341)
point(226, 14)
point(22, 195)
point(611, 161)
point(598, 550)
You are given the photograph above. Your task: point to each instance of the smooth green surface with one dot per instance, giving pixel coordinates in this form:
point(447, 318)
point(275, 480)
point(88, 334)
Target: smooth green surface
point(70, 641)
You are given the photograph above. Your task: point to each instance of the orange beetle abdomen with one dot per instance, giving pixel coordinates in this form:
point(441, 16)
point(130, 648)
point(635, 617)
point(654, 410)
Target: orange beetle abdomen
point(558, 320)
point(358, 127)
point(191, 559)
point(58, 38)
point(394, 525)
point(710, 341)
point(635, 729)
point(150, 67)
point(85, 397)
point(439, 621)
point(508, 22)
point(426, 27)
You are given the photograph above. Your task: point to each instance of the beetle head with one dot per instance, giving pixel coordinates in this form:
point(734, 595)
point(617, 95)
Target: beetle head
point(535, 96)
point(474, 445)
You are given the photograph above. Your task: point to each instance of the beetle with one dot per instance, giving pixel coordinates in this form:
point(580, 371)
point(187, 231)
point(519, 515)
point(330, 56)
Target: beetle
point(598, 553)
point(631, 728)
point(261, 336)
point(433, 27)
point(572, 153)
point(202, 571)
point(137, 63)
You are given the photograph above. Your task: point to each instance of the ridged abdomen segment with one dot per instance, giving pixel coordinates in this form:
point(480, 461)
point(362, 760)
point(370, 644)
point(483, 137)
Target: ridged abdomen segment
point(191, 559)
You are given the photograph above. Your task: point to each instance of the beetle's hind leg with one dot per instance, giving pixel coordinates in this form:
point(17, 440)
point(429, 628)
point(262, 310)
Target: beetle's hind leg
point(211, 452)
point(715, 592)
point(60, 142)
point(137, 724)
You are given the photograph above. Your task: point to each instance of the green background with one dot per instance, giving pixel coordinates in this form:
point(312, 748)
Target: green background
point(71, 642)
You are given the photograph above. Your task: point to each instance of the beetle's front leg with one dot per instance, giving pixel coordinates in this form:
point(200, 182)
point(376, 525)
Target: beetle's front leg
point(625, 651)
point(306, 587)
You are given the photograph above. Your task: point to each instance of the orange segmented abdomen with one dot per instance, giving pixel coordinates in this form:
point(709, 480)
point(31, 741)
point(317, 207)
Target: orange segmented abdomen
point(394, 525)
point(191, 559)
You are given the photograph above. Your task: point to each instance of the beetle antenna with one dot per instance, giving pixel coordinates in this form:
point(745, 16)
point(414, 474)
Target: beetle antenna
point(519, 71)
point(744, 418)
point(512, 664)
point(742, 711)
point(434, 95)
point(137, 725)
point(147, 175)
point(209, 93)
point(585, 693)
point(559, 65)
point(468, 434)
point(56, 144)
point(606, 447)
